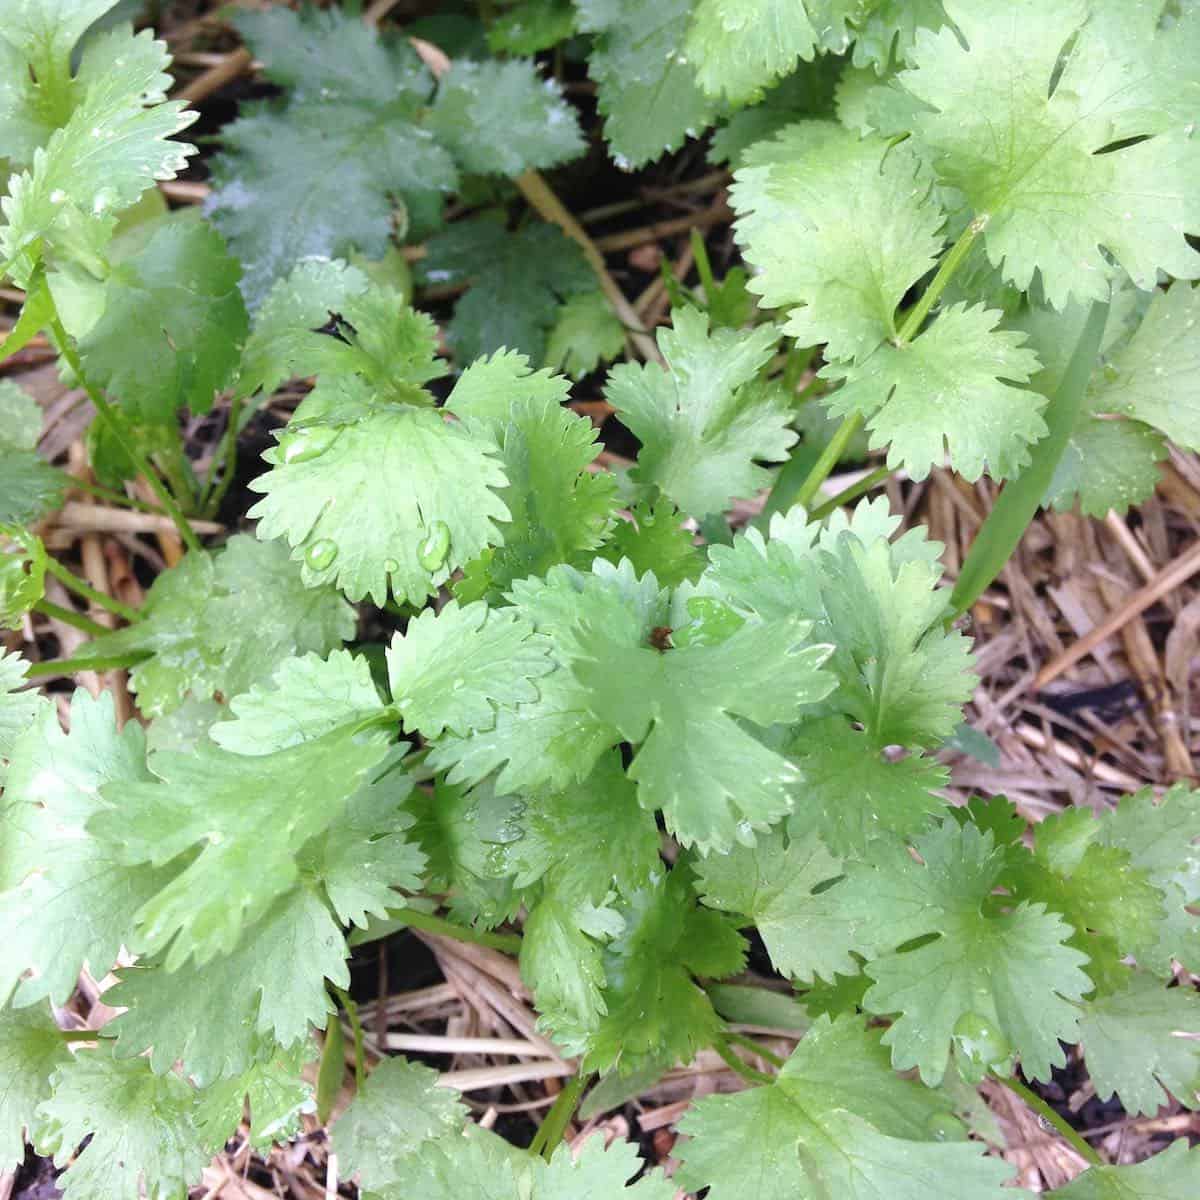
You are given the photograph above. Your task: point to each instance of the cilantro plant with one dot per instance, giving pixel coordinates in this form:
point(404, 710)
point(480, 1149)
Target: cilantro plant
point(567, 712)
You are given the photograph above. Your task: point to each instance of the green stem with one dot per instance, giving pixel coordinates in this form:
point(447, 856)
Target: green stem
point(1017, 504)
point(703, 266)
point(94, 489)
point(509, 943)
point(853, 492)
point(1048, 1114)
point(68, 616)
point(69, 666)
point(360, 1061)
point(830, 457)
point(766, 1055)
point(71, 580)
point(216, 489)
point(911, 327)
point(105, 410)
point(747, 1072)
point(551, 1130)
point(82, 1035)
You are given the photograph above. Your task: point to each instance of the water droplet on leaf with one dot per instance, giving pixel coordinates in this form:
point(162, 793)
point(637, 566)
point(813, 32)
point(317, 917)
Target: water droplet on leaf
point(302, 445)
point(391, 566)
point(321, 554)
point(945, 1127)
point(980, 1044)
point(434, 547)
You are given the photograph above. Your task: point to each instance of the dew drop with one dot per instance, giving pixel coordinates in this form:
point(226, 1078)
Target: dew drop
point(434, 547)
point(979, 1042)
point(321, 554)
point(302, 445)
point(944, 1127)
point(391, 566)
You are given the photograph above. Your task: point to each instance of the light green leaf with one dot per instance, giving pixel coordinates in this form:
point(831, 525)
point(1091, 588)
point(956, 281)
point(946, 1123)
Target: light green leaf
point(804, 202)
point(837, 1122)
point(1172, 1174)
point(703, 420)
point(31, 1049)
point(655, 539)
point(453, 669)
point(17, 708)
point(22, 574)
point(273, 1090)
point(586, 333)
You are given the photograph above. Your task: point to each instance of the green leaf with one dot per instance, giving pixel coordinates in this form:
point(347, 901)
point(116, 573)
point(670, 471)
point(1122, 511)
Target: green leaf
point(837, 1122)
point(307, 698)
point(17, 708)
point(272, 988)
point(1051, 200)
point(173, 323)
point(655, 1010)
point(20, 419)
point(273, 1090)
point(1009, 973)
point(601, 813)
point(1107, 465)
point(501, 118)
point(316, 178)
point(143, 1135)
point(22, 574)
point(655, 539)
point(249, 817)
point(901, 675)
point(114, 146)
point(951, 388)
point(560, 510)
point(852, 793)
point(399, 498)
point(1133, 1052)
point(31, 1050)
point(803, 201)
point(676, 706)
point(68, 898)
point(398, 1108)
point(223, 622)
point(1171, 1174)
point(586, 333)
point(518, 283)
point(29, 486)
point(777, 884)
point(646, 87)
point(704, 421)
point(453, 669)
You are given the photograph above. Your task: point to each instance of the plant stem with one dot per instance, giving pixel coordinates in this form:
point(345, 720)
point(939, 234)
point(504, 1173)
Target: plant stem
point(509, 943)
point(68, 616)
point(1048, 1114)
point(747, 1072)
point(1019, 501)
point(853, 492)
point(82, 1035)
point(551, 1130)
point(911, 327)
point(830, 457)
point(105, 410)
point(215, 494)
point(68, 666)
point(360, 1062)
point(766, 1055)
point(71, 580)
point(94, 489)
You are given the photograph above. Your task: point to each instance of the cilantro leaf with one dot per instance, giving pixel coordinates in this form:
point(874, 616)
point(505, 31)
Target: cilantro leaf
point(307, 697)
point(67, 898)
point(703, 421)
point(1067, 176)
point(677, 705)
point(586, 333)
point(114, 146)
point(560, 510)
point(22, 574)
point(250, 816)
point(143, 1135)
point(398, 1108)
point(173, 323)
point(646, 87)
point(272, 986)
point(803, 201)
point(852, 793)
point(655, 539)
point(836, 1122)
point(1003, 979)
point(952, 387)
point(655, 1011)
point(453, 669)
point(18, 709)
point(31, 1050)
point(220, 623)
point(500, 118)
point(777, 884)
point(518, 280)
point(1131, 1049)
point(1168, 1175)
point(275, 1093)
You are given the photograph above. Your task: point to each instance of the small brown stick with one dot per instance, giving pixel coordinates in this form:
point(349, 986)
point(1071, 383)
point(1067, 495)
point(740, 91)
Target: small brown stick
point(216, 77)
point(75, 515)
point(627, 239)
point(1178, 572)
